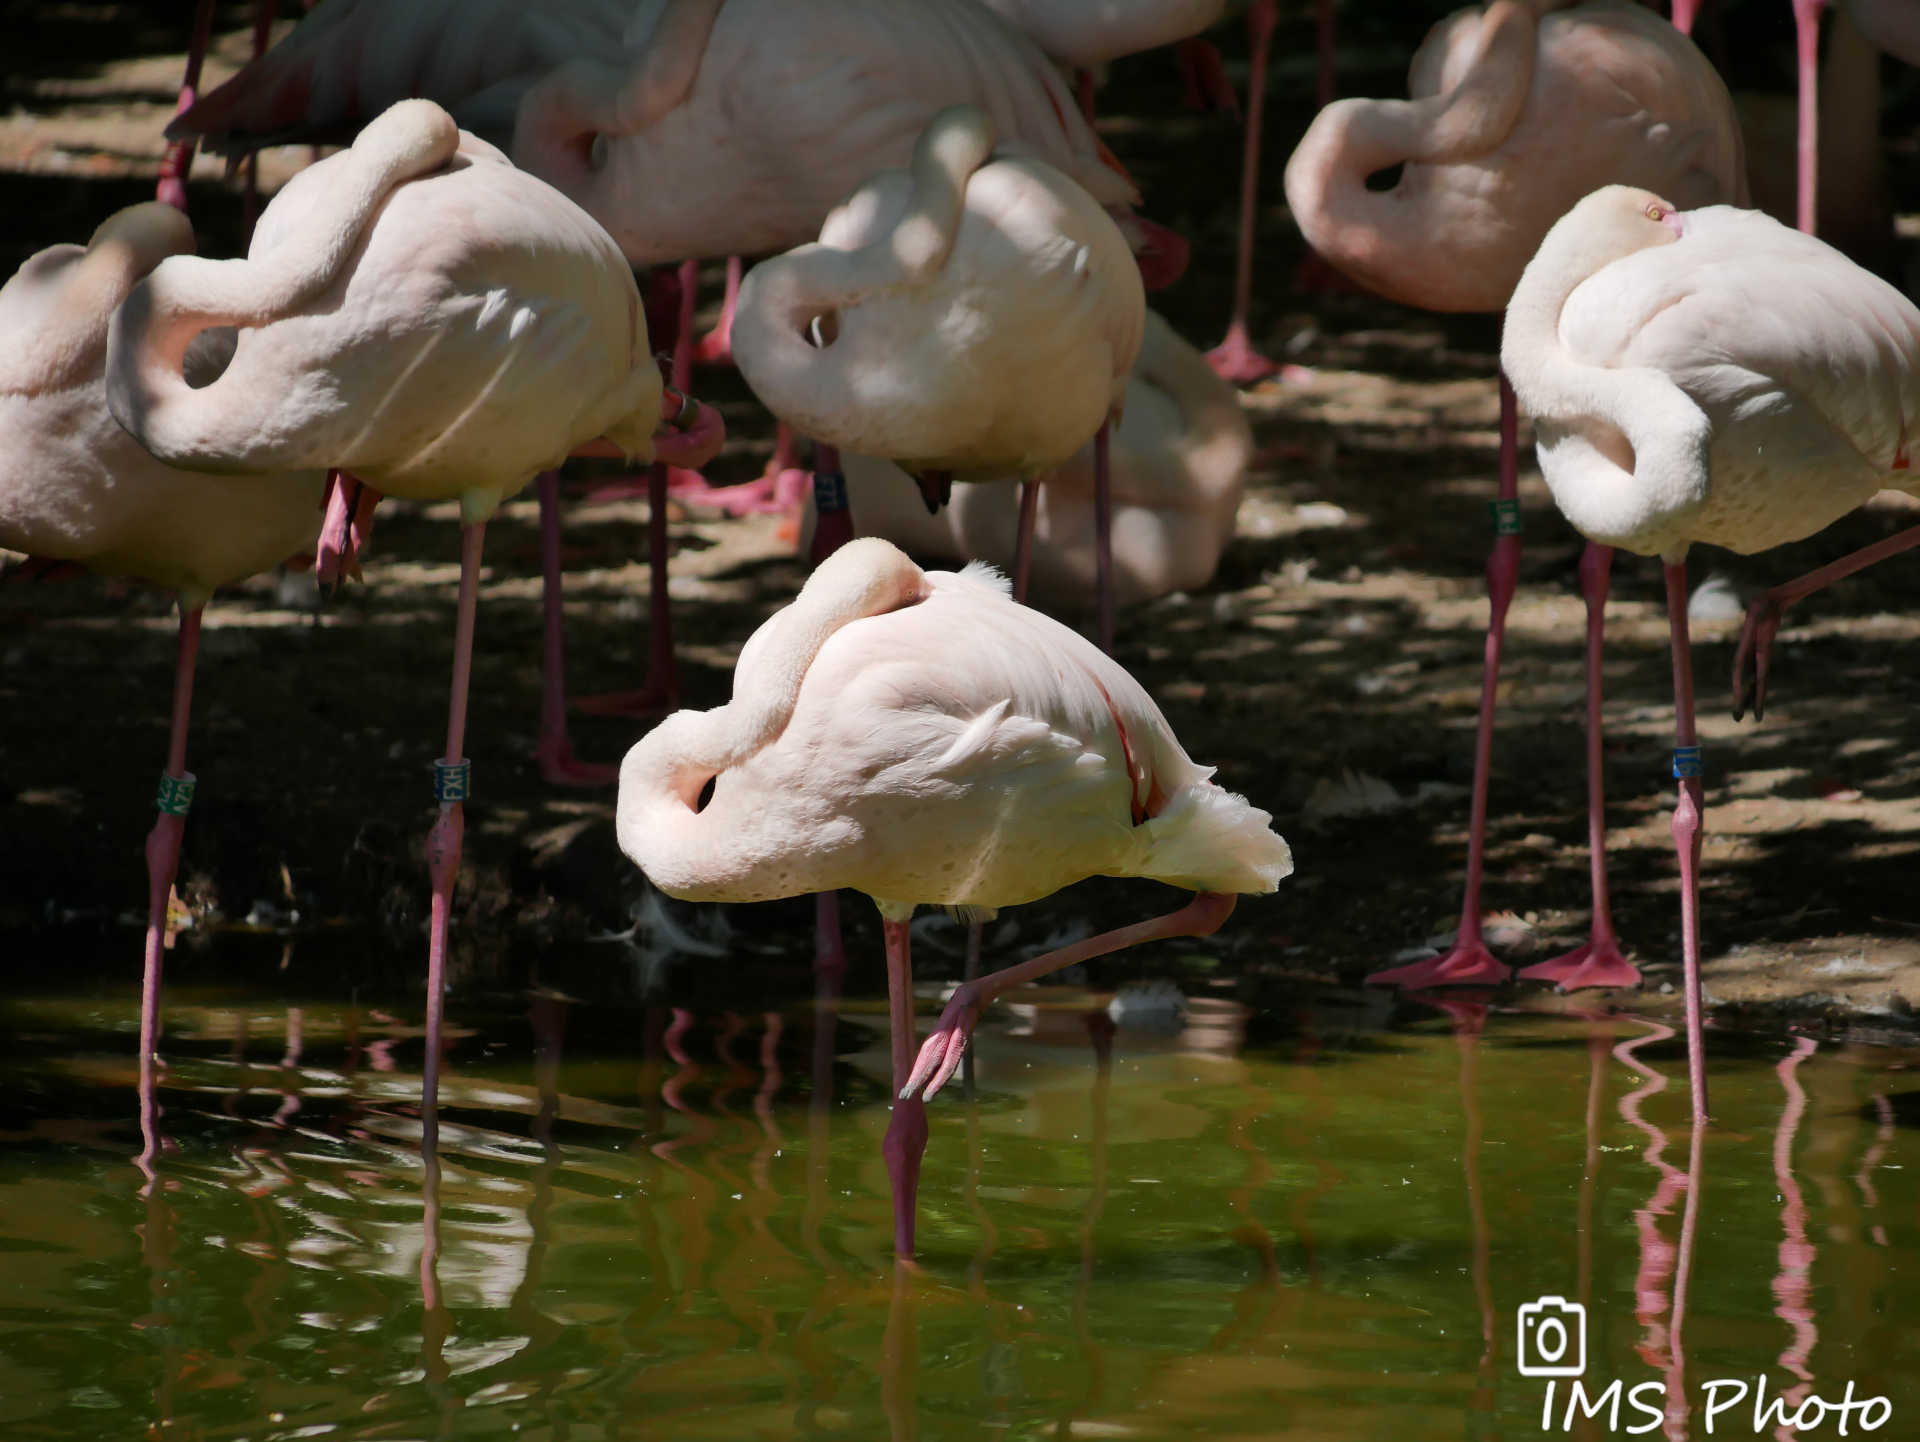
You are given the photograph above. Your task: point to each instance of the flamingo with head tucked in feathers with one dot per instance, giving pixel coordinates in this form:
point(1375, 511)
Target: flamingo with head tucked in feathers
point(972, 315)
point(1707, 376)
point(926, 740)
point(416, 311)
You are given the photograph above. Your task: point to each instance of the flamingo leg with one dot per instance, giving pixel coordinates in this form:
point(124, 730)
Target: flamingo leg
point(1683, 15)
point(906, 1140)
point(1806, 26)
point(263, 13)
point(1023, 537)
point(1764, 613)
point(163, 864)
point(716, 346)
point(1103, 531)
point(833, 517)
point(683, 342)
point(452, 776)
point(662, 691)
point(554, 751)
point(177, 162)
point(1599, 962)
point(940, 1056)
point(1235, 359)
point(1469, 963)
point(1687, 818)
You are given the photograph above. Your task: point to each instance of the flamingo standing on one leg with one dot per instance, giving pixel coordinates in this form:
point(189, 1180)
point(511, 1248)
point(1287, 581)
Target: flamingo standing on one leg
point(1516, 115)
point(416, 311)
point(76, 487)
point(972, 315)
point(923, 739)
point(1707, 376)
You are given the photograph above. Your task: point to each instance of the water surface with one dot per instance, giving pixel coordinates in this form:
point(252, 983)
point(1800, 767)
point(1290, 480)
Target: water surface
point(671, 1222)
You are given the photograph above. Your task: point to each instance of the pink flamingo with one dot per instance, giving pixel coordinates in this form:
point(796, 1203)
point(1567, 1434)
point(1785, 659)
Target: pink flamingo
point(1708, 376)
point(418, 312)
point(922, 738)
point(1516, 114)
point(75, 487)
point(971, 315)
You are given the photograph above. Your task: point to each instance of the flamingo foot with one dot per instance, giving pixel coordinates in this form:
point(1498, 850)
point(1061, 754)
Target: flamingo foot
point(1469, 963)
point(1756, 646)
point(1235, 360)
point(1596, 964)
point(941, 1053)
point(554, 755)
point(905, 1144)
point(641, 705)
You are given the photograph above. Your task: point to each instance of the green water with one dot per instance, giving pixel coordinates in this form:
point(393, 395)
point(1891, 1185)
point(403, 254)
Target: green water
point(674, 1224)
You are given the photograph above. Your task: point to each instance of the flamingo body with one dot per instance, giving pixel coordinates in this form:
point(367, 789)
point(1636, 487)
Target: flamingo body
point(972, 314)
point(73, 484)
point(1179, 460)
point(689, 127)
point(414, 310)
point(1714, 376)
point(1087, 33)
point(922, 738)
point(1514, 117)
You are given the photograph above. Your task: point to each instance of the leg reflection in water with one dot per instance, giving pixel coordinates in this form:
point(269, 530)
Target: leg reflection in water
point(436, 1323)
point(156, 1252)
point(1793, 1284)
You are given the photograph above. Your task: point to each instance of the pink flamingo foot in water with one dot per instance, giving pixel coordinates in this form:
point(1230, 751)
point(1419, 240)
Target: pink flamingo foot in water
point(1467, 963)
point(942, 1052)
point(1597, 963)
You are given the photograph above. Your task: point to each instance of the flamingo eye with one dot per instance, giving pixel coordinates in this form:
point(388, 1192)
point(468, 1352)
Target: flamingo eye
point(1655, 212)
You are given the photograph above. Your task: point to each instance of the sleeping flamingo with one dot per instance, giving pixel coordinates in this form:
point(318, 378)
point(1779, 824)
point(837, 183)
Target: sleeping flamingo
point(76, 487)
point(922, 738)
point(1179, 463)
point(971, 315)
point(415, 311)
point(1706, 376)
point(1516, 115)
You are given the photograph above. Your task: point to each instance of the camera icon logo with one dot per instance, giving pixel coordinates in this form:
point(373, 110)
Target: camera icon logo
point(1553, 1338)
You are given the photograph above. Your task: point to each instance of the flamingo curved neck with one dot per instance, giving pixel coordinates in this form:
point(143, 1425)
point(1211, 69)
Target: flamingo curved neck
point(67, 347)
point(219, 426)
point(1625, 451)
point(662, 775)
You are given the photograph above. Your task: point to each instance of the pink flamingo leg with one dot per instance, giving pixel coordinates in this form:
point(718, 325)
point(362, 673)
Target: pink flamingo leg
point(662, 691)
point(940, 1055)
point(1103, 532)
point(1203, 78)
point(554, 752)
point(263, 11)
point(1023, 537)
point(716, 346)
point(177, 162)
point(1806, 26)
point(1235, 359)
point(1599, 962)
point(451, 784)
point(1764, 612)
point(163, 864)
point(833, 517)
point(906, 1140)
point(1687, 817)
point(1469, 963)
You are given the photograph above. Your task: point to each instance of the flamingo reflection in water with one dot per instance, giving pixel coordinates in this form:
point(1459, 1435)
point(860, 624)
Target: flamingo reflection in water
point(1793, 1283)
